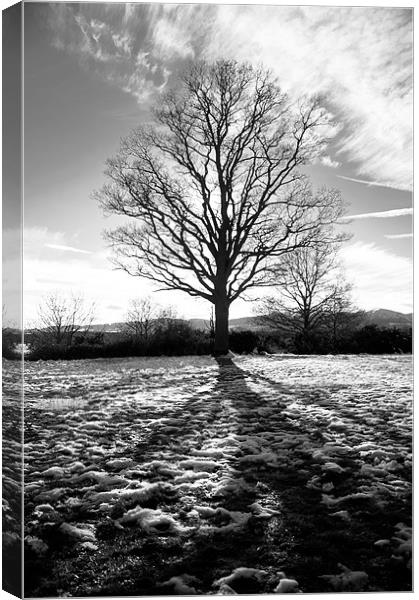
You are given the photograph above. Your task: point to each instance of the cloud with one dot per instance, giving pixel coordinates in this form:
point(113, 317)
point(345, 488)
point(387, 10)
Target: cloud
point(380, 278)
point(115, 307)
point(359, 59)
point(398, 236)
point(385, 214)
point(92, 276)
point(326, 161)
point(66, 248)
point(106, 40)
point(37, 238)
point(167, 41)
point(365, 182)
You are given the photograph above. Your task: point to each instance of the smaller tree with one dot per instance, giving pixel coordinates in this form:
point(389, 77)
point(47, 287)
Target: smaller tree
point(61, 319)
point(342, 318)
point(167, 318)
point(146, 318)
point(11, 337)
point(310, 293)
point(140, 322)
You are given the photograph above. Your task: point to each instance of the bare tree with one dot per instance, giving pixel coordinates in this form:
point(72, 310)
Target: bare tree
point(341, 316)
point(145, 318)
point(61, 318)
point(214, 188)
point(140, 322)
point(168, 316)
point(312, 294)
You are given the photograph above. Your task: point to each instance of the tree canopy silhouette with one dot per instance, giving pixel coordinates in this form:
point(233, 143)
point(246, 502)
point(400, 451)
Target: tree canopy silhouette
point(213, 187)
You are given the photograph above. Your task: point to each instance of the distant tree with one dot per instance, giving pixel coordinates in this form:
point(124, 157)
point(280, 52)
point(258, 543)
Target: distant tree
point(214, 188)
point(310, 299)
point(61, 318)
point(342, 318)
point(10, 337)
point(140, 322)
point(145, 318)
point(168, 317)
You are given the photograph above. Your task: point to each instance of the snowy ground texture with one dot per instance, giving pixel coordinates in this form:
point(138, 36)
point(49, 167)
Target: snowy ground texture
point(189, 475)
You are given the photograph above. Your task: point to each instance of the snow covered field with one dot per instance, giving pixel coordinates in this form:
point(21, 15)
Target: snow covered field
point(190, 475)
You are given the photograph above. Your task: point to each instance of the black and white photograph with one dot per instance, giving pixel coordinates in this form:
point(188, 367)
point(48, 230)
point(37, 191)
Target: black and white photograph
point(207, 299)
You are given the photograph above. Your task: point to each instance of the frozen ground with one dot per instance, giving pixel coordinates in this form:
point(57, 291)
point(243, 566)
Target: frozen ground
point(188, 475)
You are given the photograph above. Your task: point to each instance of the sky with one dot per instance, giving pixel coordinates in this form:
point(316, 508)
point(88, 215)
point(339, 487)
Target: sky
point(92, 71)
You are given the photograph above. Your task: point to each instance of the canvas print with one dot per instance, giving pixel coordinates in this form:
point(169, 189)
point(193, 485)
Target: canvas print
point(215, 320)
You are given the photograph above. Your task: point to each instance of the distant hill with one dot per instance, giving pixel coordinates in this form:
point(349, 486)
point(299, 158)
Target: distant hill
point(388, 318)
point(242, 323)
point(381, 317)
point(108, 327)
point(202, 324)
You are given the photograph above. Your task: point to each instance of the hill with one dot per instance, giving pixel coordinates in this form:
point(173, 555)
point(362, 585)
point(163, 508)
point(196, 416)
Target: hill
point(389, 318)
point(381, 317)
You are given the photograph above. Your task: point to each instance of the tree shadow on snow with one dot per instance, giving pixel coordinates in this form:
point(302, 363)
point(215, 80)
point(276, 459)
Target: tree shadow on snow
point(291, 529)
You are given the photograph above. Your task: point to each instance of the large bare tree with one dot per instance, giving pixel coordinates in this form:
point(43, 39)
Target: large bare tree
point(214, 188)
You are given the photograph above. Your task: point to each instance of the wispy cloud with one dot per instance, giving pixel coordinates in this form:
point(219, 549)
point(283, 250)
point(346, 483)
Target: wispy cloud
point(385, 214)
point(398, 236)
point(91, 275)
point(133, 47)
point(67, 248)
point(380, 278)
point(366, 182)
point(359, 59)
point(37, 238)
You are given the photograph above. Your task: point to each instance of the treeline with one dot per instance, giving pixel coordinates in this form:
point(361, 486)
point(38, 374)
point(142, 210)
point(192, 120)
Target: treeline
point(178, 338)
point(169, 338)
point(65, 331)
point(10, 339)
point(368, 339)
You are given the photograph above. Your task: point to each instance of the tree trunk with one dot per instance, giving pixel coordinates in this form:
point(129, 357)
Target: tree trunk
point(221, 301)
point(221, 327)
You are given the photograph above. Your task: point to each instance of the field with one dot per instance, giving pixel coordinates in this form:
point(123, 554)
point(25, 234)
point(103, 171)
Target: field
point(242, 475)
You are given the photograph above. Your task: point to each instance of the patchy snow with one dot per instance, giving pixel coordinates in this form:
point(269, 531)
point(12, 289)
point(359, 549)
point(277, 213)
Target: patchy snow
point(180, 585)
point(241, 573)
point(171, 473)
point(287, 586)
point(152, 521)
point(36, 544)
point(83, 533)
point(347, 581)
point(54, 472)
